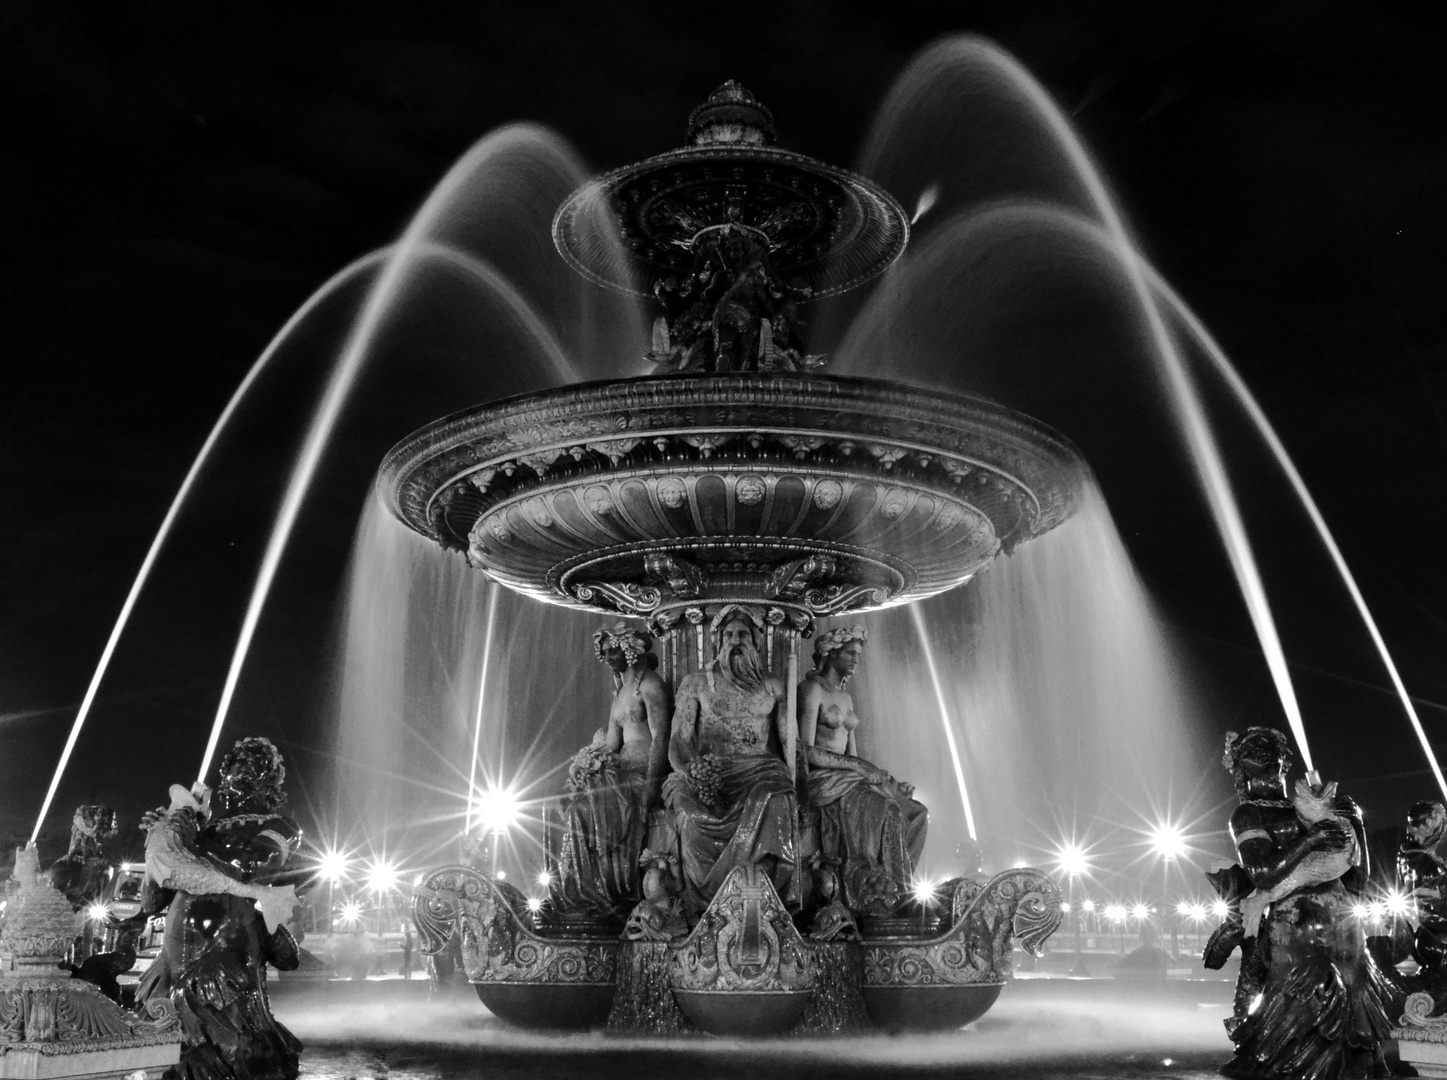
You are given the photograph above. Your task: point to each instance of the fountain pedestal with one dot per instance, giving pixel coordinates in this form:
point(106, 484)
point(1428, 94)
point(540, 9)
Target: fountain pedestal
point(52, 1025)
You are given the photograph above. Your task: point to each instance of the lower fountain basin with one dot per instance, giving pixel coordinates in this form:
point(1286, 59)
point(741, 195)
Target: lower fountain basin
point(929, 1008)
point(567, 1006)
point(740, 1013)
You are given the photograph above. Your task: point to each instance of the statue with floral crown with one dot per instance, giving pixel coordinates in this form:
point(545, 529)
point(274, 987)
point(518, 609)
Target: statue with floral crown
point(731, 792)
point(869, 823)
point(613, 783)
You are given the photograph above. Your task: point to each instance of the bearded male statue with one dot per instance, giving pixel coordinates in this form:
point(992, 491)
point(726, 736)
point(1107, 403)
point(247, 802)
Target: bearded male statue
point(731, 791)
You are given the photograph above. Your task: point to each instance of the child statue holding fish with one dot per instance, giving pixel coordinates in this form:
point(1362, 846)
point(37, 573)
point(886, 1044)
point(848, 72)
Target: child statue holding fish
point(1319, 1004)
point(216, 859)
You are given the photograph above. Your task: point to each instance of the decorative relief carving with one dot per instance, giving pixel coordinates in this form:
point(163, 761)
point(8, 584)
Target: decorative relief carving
point(1021, 904)
point(682, 577)
point(745, 941)
point(827, 494)
point(626, 596)
point(949, 465)
point(497, 945)
point(750, 490)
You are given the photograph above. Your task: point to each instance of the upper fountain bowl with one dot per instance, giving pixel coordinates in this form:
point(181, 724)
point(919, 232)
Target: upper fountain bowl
point(826, 229)
point(810, 493)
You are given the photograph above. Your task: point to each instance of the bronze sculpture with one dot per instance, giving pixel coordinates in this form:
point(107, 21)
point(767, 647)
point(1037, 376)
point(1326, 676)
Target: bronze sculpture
point(82, 872)
point(613, 784)
point(1422, 875)
point(1317, 1004)
point(217, 945)
point(731, 792)
point(869, 826)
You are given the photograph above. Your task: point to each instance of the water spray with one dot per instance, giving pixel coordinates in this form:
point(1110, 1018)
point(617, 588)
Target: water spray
point(332, 284)
point(1069, 221)
point(492, 588)
point(929, 658)
point(1190, 412)
point(413, 246)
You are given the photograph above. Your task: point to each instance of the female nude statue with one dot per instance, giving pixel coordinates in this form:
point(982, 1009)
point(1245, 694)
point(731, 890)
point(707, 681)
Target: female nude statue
point(867, 819)
point(614, 783)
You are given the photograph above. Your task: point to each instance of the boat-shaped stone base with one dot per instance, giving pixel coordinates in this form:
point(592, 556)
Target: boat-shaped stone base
point(568, 1006)
point(744, 970)
point(523, 977)
point(942, 982)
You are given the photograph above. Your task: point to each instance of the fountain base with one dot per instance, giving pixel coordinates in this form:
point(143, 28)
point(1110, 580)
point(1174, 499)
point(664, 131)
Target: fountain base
point(744, 969)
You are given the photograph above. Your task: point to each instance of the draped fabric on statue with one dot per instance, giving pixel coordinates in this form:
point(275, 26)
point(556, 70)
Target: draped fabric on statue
point(603, 831)
point(1322, 1013)
point(868, 830)
point(756, 818)
point(213, 968)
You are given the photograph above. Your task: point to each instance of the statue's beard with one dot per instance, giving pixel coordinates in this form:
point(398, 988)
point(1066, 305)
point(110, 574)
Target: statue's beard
point(742, 667)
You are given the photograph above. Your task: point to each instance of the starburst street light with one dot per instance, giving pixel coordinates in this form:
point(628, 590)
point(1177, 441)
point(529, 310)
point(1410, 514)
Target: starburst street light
point(97, 913)
point(1168, 842)
point(351, 913)
point(924, 890)
point(333, 867)
point(381, 876)
point(497, 810)
point(1072, 861)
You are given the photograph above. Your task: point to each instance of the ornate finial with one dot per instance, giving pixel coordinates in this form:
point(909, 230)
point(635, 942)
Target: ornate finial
point(731, 115)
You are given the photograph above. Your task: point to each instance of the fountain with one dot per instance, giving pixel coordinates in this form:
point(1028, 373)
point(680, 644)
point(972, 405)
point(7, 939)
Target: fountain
point(731, 503)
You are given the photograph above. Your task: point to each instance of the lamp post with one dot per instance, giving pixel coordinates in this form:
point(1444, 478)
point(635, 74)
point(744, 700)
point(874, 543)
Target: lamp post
point(333, 867)
point(381, 878)
point(1169, 844)
point(1072, 861)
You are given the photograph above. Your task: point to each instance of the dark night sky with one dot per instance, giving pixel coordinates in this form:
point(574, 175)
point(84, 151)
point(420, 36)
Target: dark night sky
point(178, 178)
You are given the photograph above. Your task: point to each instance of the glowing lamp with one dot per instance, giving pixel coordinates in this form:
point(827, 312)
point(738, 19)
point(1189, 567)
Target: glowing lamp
point(497, 810)
point(1167, 842)
point(333, 866)
point(1072, 861)
point(381, 877)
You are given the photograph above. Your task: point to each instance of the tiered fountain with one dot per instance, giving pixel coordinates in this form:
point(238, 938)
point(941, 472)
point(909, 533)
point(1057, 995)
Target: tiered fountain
point(738, 480)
